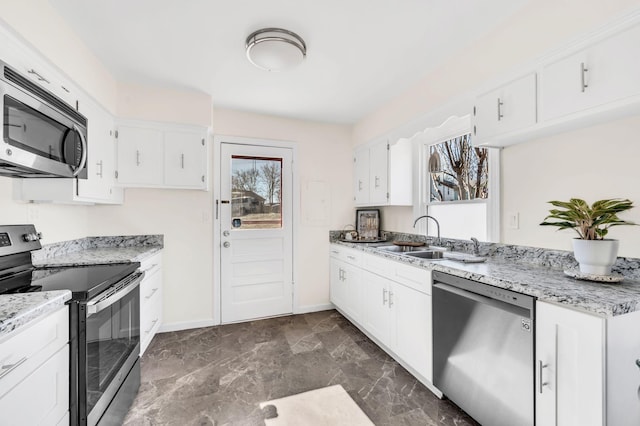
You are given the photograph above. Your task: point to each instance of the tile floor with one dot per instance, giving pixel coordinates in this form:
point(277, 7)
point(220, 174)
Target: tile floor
point(219, 375)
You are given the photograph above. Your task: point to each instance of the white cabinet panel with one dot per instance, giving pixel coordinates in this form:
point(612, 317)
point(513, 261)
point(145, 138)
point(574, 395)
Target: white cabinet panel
point(378, 174)
point(413, 340)
point(605, 72)
point(361, 176)
point(150, 300)
point(184, 159)
point(569, 371)
point(140, 159)
point(508, 108)
point(378, 315)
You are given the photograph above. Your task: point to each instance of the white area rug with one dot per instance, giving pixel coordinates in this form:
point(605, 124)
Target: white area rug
point(330, 406)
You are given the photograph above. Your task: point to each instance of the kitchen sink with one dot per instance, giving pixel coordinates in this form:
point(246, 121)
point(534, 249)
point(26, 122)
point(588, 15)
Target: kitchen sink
point(427, 254)
point(403, 249)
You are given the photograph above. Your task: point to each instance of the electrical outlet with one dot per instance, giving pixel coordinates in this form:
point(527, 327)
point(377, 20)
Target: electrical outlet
point(513, 220)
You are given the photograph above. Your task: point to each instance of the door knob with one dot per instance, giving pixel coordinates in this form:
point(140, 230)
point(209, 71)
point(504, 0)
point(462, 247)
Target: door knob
point(226, 244)
point(225, 233)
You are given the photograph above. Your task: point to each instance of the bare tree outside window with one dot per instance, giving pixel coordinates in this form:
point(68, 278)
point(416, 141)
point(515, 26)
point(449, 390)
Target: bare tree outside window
point(256, 192)
point(458, 170)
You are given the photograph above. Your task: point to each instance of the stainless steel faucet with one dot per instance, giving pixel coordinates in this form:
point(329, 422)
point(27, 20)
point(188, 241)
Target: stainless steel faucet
point(476, 245)
point(437, 225)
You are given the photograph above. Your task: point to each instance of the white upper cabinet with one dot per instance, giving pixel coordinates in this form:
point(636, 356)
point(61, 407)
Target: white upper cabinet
point(140, 160)
point(604, 72)
point(506, 109)
point(162, 155)
point(594, 79)
point(185, 158)
point(383, 174)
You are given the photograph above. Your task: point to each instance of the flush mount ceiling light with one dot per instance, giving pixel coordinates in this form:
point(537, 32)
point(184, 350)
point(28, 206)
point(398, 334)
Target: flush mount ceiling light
point(275, 49)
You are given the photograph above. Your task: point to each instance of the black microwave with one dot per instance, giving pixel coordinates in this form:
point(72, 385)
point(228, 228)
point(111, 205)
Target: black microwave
point(42, 136)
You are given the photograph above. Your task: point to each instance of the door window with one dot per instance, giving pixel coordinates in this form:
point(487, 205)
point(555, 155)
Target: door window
point(256, 192)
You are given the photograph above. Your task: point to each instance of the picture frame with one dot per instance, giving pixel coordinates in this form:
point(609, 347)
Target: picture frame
point(368, 224)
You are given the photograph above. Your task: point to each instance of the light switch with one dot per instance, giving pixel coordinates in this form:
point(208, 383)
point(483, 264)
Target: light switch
point(513, 220)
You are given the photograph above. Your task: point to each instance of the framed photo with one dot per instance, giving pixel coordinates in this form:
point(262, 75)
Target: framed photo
point(368, 224)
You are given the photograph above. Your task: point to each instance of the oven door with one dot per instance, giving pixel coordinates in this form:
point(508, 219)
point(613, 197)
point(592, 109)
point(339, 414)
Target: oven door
point(40, 139)
point(108, 348)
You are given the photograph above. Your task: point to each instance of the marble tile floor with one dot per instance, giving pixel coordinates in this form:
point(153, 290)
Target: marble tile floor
point(219, 375)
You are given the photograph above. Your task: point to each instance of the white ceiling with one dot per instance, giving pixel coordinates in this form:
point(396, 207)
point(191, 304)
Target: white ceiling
point(361, 53)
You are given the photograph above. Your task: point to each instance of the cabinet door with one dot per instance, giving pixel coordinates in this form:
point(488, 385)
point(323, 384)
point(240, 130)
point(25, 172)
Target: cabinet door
point(361, 176)
point(353, 297)
point(378, 173)
point(412, 340)
point(140, 158)
point(185, 159)
point(569, 371)
point(509, 108)
point(150, 308)
point(605, 72)
point(377, 313)
point(338, 287)
point(99, 156)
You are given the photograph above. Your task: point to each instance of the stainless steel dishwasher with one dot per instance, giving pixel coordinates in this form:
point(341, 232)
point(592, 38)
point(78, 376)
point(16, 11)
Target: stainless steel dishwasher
point(483, 340)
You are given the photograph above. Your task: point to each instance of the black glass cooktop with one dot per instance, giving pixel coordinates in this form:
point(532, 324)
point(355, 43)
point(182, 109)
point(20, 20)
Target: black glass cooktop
point(84, 282)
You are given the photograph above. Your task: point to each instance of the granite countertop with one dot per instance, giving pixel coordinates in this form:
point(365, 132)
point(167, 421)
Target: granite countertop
point(16, 310)
point(548, 284)
point(98, 250)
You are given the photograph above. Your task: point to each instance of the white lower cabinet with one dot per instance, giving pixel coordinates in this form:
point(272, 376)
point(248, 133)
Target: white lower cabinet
point(587, 370)
point(391, 302)
point(150, 300)
point(34, 377)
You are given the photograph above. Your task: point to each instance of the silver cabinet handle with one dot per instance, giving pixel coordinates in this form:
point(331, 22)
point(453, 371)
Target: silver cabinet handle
point(390, 298)
point(38, 76)
point(351, 257)
point(182, 161)
point(153, 324)
point(83, 159)
point(583, 73)
point(99, 164)
point(8, 368)
point(384, 296)
point(638, 363)
point(500, 104)
point(541, 382)
point(335, 252)
point(226, 244)
point(152, 293)
point(137, 157)
point(359, 185)
point(149, 268)
point(377, 182)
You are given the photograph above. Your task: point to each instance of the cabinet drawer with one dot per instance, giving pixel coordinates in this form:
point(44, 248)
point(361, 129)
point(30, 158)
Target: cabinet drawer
point(349, 255)
point(151, 265)
point(412, 276)
point(42, 397)
point(376, 264)
point(29, 347)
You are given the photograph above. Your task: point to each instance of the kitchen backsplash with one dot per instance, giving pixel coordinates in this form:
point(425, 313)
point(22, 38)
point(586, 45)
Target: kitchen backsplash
point(561, 259)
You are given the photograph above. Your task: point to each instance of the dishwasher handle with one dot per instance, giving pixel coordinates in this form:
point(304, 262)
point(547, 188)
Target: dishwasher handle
point(495, 303)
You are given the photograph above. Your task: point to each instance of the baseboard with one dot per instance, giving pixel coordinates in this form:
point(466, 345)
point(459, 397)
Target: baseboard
point(186, 325)
point(313, 308)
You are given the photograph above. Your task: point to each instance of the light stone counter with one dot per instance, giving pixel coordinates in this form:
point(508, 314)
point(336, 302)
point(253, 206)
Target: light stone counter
point(547, 283)
point(17, 310)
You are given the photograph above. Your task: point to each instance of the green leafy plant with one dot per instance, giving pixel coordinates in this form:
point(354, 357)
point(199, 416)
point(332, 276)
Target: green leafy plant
point(590, 222)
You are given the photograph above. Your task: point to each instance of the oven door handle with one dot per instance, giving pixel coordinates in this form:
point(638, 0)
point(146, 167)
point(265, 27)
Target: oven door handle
point(97, 305)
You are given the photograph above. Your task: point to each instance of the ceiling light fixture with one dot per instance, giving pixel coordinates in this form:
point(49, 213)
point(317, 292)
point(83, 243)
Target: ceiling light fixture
point(275, 49)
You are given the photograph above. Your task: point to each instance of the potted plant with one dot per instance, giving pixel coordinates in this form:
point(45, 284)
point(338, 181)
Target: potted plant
point(594, 253)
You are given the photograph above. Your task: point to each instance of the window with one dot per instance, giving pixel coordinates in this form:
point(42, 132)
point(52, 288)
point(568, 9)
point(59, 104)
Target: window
point(256, 192)
point(458, 182)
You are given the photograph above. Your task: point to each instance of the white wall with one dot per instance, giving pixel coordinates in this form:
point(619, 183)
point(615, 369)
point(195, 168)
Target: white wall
point(592, 163)
point(324, 156)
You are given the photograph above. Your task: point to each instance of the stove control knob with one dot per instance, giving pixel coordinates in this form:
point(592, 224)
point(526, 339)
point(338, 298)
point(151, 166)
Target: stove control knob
point(32, 236)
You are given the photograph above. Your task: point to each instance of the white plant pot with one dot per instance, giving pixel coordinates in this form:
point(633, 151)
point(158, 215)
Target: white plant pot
point(595, 256)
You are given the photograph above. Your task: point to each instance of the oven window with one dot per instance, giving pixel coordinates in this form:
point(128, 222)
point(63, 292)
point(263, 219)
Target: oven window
point(112, 335)
point(32, 131)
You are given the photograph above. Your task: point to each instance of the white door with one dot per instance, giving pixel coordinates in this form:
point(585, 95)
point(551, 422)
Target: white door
point(256, 233)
